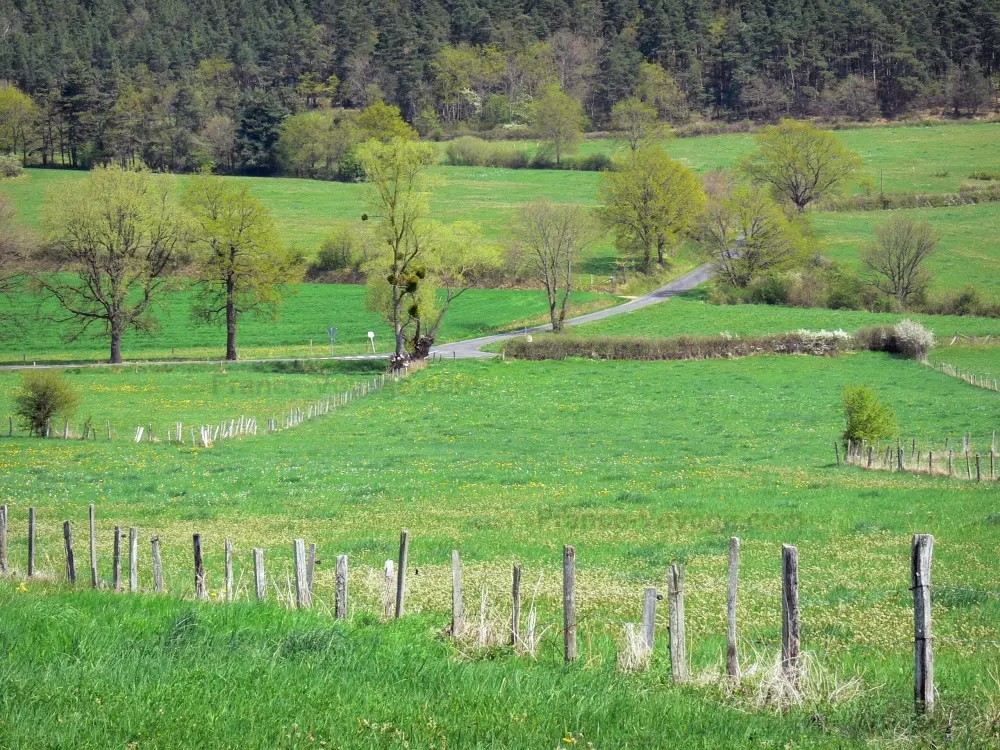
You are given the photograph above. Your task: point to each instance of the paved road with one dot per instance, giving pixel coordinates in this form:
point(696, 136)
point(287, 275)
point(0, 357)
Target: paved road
point(470, 348)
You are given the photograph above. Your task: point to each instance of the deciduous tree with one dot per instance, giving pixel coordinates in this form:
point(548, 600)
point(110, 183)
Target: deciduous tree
point(242, 267)
point(637, 122)
point(800, 163)
point(894, 262)
point(558, 119)
point(554, 236)
point(747, 234)
point(114, 236)
point(649, 201)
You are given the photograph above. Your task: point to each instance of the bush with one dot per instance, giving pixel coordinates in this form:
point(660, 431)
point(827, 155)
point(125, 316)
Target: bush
point(350, 168)
point(468, 151)
point(907, 338)
point(867, 418)
point(912, 339)
point(768, 290)
point(10, 166)
point(44, 395)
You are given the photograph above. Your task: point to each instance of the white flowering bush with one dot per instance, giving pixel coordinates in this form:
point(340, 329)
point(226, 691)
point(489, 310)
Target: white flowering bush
point(912, 339)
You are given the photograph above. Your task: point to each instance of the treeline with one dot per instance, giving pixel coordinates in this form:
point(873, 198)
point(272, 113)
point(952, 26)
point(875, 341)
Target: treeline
point(178, 84)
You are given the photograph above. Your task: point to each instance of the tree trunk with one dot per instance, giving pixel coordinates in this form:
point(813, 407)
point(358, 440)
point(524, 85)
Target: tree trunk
point(116, 343)
point(230, 319)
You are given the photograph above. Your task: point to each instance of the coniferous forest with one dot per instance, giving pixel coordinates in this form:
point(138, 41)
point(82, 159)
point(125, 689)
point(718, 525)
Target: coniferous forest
point(177, 84)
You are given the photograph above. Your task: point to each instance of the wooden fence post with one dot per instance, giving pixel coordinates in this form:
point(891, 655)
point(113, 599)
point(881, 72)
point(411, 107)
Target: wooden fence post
point(31, 542)
point(648, 636)
point(569, 602)
point(675, 597)
point(157, 565)
point(199, 568)
point(93, 548)
point(515, 615)
point(836, 449)
point(930, 462)
point(259, 579)
point(404, 551)
point(116, 561)
point(3, 539)
point(790, 610)
point(388, 586)
point(229, 570)
point(732, 650)
point(133, 559)
point(341, 606)
point(70, 563)
point(311, 567)
point(923, 641)
point(457, 615)
point(303, 597)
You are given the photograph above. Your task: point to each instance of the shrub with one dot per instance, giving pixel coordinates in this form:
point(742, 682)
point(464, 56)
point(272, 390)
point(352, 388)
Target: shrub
point(468, 151)
point(44, 395)
point(912, 339)
point(867, 418)
point(768, 290)
point(10, 166)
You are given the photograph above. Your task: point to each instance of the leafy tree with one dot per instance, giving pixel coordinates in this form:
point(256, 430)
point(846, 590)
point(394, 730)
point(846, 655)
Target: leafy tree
point(313, 143)
point(867, 418)
point(658, 89)
point(558, 119)
point(43, 396)
point(637, 122)
point(396, 173)
point(649, 201)
point(383, 123)
point(554, 236)
point(114, 236)
point(966, 88)
point(800, 163)
point(241, 266)
point(747, 234)
point(18, 115)
point(894, 262)
point(455, 259)
point(258, 132)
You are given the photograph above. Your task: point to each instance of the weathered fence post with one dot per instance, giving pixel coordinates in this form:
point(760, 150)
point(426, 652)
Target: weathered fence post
point(569, 602)
point(259, 578)
point(457, 615)
point(930, 462)
point(923, 641)
point(70, 563)
point(303, 597)
point(229, 570)
point(157, 565)
point(340, 611)
point(388, 586)
point(199, 568)
point(31, 542)
point(675, 597)
point(133, 559)
point(951, 463)
point(93, 548)
point(3, 539)
point(732, 650)
point(790, 610)
point(116, 561)
point(836, 449)
point(404, 551)
point(979, 476)
point(648, 636)
point(311, 567)
point(515, 615)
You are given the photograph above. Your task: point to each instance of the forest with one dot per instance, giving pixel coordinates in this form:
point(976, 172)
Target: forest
point(180, 84)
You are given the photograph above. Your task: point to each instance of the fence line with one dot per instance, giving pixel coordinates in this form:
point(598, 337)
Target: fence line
point(979, 381)
point(639, 648)
point(964, 464)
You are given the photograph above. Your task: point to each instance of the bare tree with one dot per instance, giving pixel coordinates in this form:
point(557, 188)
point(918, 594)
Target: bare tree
point(555, 236)
point(895, 261)
point(15, 244)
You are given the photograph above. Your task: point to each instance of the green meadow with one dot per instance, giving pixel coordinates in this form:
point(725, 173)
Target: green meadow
point(636, 464)
point(300, 331)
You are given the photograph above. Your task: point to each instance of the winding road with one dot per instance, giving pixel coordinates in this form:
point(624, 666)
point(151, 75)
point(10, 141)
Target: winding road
point(470, 348)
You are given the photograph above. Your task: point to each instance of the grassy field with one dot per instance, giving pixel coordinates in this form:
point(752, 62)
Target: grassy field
point(968, 251)
point(689, 315)
point(304, 317)
point(637, 464)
